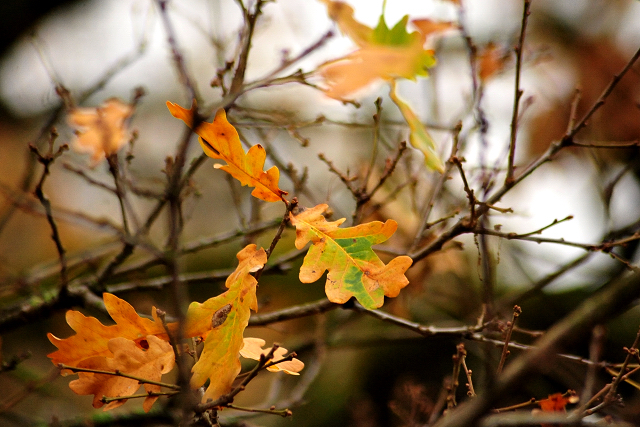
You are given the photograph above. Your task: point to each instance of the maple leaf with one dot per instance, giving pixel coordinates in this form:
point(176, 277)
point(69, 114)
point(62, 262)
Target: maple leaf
point(385, 53)
point(222, 320)
point(101, 131)
point(129, 358)
point(354, 269)
point(220, 140)
point(419, 136)
point(252, 349)
point(92, 337)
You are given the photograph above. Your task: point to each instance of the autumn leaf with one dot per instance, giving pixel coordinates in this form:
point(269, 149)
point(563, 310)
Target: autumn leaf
point(222, 320)
point(492, 60)
point(252, 349)
point(557, 402)
point(354, 269)
point(154, 358)
point(92, 337)
point(220, 140)
point(419, 137)
point(384, 53)
point(342, 14)
point(101, 131)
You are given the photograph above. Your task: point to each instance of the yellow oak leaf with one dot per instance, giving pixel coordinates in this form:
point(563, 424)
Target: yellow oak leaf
point(252, 349)
point(354, 269)
point(101, 131)
point(220, 140)
point(222, 320)
point(149, 362)
point(92, 337)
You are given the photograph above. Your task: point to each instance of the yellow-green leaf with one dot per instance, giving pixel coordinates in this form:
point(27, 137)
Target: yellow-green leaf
point(419, 136)
point(354, 268)
point(222, 320)
point(220, 140)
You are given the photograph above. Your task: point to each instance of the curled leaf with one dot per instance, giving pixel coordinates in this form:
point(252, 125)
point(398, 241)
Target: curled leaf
point(101, 131)
point(220, 140)
point(252, 349)
point(354, 269)
point(419, 137)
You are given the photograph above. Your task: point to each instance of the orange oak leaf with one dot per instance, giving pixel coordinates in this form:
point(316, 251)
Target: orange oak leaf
point(556, 402)
point(222, 320)
point(354, 269)
point(252, 349)
point(92, 337)
point(101, 131)
point(149, 362)
point(220, 140)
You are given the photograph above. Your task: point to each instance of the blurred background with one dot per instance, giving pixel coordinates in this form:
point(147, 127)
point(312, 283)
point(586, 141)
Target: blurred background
point(363, 372)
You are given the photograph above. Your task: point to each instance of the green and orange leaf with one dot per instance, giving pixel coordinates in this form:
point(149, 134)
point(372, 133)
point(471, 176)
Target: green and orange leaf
point(354, 268)
point(222, 321)
point(220, 140)
point(384, 53)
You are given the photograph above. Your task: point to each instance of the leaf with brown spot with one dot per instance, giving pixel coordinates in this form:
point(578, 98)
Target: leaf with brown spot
point(92, 337)
point(222, 320)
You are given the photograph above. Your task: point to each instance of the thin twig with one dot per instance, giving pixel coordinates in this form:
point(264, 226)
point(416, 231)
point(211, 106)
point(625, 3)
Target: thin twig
point(119, 374)
point(518, 94)
point(505, 350)
point(46, 160)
